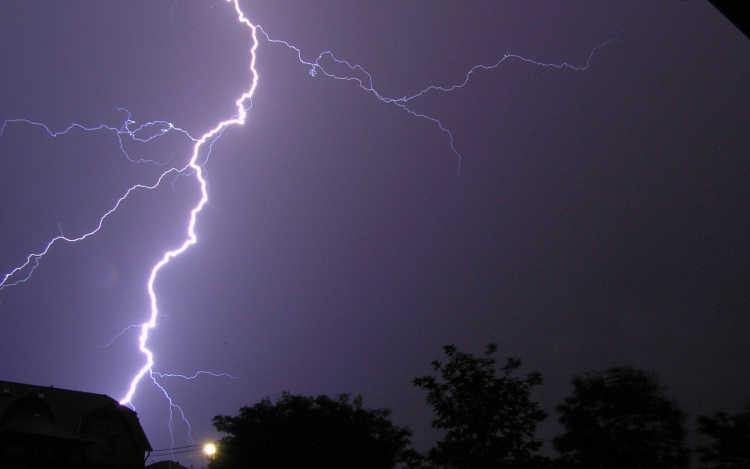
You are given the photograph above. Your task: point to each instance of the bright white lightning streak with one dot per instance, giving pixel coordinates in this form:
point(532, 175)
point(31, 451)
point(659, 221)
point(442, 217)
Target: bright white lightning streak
point(239, 119)
point(32, 260)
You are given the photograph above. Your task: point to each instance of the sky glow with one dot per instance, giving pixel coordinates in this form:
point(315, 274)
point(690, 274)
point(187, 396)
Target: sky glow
point(32, 260)
point(512, 215)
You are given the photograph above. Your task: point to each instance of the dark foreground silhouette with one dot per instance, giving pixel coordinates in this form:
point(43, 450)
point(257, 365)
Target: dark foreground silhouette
point(617, 418)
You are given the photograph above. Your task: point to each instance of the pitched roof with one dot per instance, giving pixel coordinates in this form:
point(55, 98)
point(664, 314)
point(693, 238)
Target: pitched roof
point(69, 407)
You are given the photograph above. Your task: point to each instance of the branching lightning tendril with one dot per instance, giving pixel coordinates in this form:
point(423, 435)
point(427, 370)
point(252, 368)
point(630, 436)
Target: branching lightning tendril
point(155, 129)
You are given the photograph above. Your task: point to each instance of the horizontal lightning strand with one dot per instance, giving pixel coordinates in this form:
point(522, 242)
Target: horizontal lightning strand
point(163, 128)
point(198, 373)
point(316, 66)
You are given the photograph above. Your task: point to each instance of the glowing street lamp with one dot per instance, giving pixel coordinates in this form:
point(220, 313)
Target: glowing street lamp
point(209, 449)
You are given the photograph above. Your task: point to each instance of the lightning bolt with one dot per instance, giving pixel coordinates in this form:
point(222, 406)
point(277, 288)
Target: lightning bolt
point(156, 129)
point(191, 238)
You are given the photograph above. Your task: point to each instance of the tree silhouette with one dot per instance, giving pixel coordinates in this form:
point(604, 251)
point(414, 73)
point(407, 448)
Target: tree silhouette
point(490, 420)
point(730, 448)
point(620, 418)
point(306, 432)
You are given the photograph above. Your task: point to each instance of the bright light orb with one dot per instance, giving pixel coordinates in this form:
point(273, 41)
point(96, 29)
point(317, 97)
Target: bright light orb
point(209, 449)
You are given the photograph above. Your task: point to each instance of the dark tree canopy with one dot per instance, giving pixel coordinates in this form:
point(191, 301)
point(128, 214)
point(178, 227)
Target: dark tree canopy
point(730, 448)
point(306, 432)
point(490, 420)
point(621, 418)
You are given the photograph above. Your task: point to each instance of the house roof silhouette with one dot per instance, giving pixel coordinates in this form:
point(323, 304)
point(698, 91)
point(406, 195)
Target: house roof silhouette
point(59, 414)
point(166, 465)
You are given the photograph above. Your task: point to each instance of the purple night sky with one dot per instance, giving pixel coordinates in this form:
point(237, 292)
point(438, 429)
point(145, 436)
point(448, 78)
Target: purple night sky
point(600, 217)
